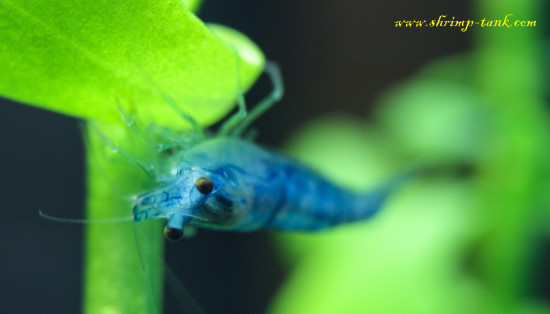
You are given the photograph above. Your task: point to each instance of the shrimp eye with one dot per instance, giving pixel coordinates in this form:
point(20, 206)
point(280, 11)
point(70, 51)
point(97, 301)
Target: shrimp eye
point(204, 185)
point(172, 234)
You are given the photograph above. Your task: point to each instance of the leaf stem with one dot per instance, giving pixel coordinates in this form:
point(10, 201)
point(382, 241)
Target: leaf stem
point(117, 278)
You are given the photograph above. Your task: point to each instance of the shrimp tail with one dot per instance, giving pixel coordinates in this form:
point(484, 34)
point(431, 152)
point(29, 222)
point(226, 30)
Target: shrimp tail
point(368, 204)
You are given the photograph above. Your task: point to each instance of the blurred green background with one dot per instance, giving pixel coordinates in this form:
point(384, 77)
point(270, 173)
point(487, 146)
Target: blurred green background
point(363, 101)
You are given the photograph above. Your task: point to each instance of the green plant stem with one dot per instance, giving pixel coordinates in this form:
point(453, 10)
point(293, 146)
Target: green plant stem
point(509, 75)
point(115, 279)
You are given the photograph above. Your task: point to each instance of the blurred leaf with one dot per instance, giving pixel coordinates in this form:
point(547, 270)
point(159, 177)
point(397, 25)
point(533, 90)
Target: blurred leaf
point(509, 74)
point(346, 149)
point(414, 251)
point(421, 254)
point(435, 119)
point(81, 57)
point(357, 159)
point(411, 259)
point(454, 69)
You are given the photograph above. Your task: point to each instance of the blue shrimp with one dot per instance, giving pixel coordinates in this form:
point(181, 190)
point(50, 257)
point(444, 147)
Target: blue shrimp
point(229, 183)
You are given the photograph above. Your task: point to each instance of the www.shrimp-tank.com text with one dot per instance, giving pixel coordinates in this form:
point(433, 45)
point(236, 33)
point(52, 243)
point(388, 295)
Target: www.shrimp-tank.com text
point(443, 21)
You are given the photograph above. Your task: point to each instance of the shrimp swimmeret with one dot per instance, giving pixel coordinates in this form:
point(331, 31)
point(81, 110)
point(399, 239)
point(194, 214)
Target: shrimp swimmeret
point(229, 183)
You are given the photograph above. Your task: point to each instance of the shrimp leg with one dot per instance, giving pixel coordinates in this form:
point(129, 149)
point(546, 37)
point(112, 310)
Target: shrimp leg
point(173, 139)
point(238, 123)
point(196, 127)
point(148, 167)
point(233, 121)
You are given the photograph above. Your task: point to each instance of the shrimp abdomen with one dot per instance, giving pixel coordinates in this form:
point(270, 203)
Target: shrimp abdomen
point(313, 203)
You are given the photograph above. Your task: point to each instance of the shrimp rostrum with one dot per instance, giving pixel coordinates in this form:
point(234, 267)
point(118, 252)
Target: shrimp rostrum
point(229, 183)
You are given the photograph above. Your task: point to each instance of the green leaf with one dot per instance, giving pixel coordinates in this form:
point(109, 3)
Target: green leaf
point(192, 5)
point(81, 58)
point(434, 118)
point(407, 259)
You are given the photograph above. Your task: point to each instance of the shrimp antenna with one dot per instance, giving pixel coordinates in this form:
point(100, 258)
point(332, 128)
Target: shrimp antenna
point(84, 221)
point(185, 300)
point(143, 268)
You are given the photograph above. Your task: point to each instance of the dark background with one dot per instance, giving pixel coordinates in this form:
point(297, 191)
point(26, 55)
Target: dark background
point(336, 56)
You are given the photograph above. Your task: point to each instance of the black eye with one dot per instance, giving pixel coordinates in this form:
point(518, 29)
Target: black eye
point(172, 234)
point(204, 185)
